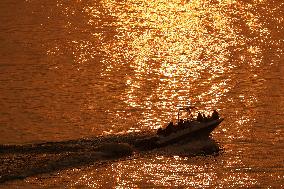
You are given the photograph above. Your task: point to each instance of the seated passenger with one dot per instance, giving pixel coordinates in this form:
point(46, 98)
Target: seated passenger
point(169, 129)
point(160, 131)
point(171, 124)
point(199, 117)
point(180, 123)
point(205, 119)
point(215, 115)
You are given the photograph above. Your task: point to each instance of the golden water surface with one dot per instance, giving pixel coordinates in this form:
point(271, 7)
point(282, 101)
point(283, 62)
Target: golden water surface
point(82, 68)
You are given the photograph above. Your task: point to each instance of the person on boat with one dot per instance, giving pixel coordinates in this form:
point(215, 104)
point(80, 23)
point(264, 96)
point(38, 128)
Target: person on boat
point(199, 117)
point(171, 124)
point(204, 118)
point(160, 131)
point(180, 123)
point(215, 115)
point(169, 129)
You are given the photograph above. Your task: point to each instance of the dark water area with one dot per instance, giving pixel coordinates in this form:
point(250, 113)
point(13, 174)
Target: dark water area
point(72, 72)
point(23, 161)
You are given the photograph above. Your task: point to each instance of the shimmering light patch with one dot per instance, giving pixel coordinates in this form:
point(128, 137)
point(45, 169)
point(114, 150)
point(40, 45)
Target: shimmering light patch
point(173, 50)
point(172, 46)
point(162, 171)
point(154, 56)
point(243, 120)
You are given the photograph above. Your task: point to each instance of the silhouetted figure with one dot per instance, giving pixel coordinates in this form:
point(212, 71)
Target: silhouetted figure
point(215, 115)
point(171, 124)
point(169, 129)
point(199, 117)
point(204, 118)
point(160, 131)
point(184, 125)
point(180, 123)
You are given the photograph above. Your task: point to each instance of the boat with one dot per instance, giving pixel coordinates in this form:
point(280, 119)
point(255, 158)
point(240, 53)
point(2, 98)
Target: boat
point(193, 129)
point(184, 130)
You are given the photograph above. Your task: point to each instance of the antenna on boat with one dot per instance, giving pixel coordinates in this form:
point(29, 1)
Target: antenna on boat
point(187, 108)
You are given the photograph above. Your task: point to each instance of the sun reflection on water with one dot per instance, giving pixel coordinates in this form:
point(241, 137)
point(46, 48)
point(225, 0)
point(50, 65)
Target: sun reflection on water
point(173, 48)
point(167, 53)
point(162, 171)
point(155, 56)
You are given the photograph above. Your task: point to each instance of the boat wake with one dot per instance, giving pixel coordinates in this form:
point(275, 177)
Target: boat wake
point(21, 161)
point(206, 146)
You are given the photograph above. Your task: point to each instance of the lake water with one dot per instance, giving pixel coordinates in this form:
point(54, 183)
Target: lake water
point(82, 69)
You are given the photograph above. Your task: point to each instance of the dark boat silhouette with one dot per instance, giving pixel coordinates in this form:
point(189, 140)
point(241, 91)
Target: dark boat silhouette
point(184, 130)
point(194, 129)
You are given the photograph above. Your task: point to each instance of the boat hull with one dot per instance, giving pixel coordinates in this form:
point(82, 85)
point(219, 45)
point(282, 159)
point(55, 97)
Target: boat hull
point(201, 130)
point(196, 130)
